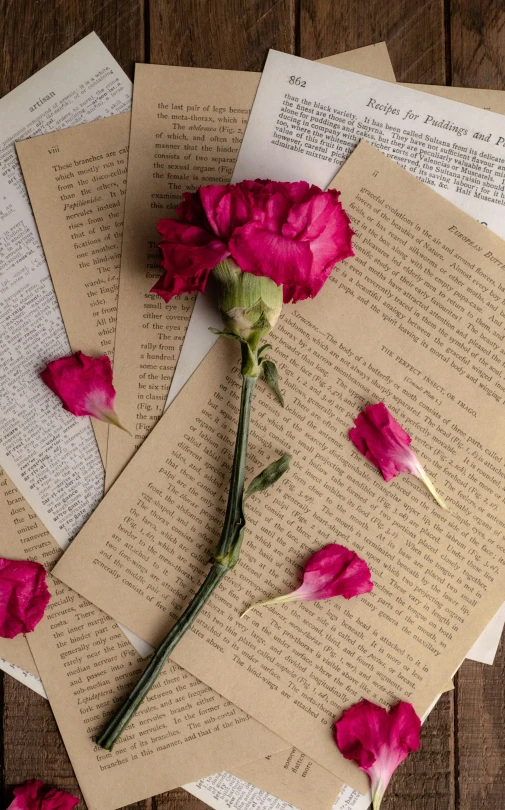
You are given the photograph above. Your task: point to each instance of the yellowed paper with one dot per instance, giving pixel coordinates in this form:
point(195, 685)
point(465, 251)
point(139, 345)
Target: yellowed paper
point(87, 665)
point(76, 179)
point(427, 281)
point(294, 778)
point(102, 146)
point(187, 127)
point(17, 651)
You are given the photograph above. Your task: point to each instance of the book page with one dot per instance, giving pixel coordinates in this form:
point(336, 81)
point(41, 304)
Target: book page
point(199, 340)
point(307, 119)
point(76, 179)
point(50, 456)
point(87, 666)
point(437, 576)
point(187, 127)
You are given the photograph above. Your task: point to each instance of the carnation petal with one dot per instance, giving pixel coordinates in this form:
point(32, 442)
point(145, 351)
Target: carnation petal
point(83, 384)
point(35, 795)
point(378, 436)
point(23, 596)
point(189, 254)
point(333, 571)
point(378, 740)
point(265, 253)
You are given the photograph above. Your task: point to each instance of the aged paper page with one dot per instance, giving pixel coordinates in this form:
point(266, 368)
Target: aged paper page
point(87, 665)
point(76, 179)
point(187, 127)
point(437, 575)
point(16, 651)
point(51, 457)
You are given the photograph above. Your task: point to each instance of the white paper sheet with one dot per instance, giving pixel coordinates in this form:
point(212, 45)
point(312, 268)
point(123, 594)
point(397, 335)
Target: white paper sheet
point(49, 454)
point(308, 117)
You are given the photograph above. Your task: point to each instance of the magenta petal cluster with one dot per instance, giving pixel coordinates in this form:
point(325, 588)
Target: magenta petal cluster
point(293, 233)
point(84, 385)
point(35, 795)
point(379, 437)
point(23, 596)
point(378, 740)
point(333, 571)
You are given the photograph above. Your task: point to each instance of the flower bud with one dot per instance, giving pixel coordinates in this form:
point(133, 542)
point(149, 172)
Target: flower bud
point(250, 305)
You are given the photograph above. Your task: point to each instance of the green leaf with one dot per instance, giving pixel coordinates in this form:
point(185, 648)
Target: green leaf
point(264, 348)
point(271, 378)
point(229, 335)
point(269, 476)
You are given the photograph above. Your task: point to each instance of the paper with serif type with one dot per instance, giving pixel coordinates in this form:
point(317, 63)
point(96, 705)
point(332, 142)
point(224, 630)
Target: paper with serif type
point(187, 127)
point(434, 593)
point(76, 179)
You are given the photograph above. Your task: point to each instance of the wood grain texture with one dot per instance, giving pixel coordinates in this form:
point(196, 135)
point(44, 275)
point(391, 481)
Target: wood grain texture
point(413, 30)
point(229, 34)
point(33, 32)
point(478, 43)
point(461, 765)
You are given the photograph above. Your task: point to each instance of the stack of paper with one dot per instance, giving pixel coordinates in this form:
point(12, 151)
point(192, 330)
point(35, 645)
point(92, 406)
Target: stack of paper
point(254, 697)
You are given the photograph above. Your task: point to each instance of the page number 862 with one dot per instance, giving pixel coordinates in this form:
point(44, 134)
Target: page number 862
point(297, 80)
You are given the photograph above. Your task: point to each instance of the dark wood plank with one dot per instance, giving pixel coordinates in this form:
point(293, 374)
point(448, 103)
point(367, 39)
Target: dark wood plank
point(229, 34)
point(477, 36)
point(413, 29)
point(33, 32)
point(426, 780)
point(33, 748)
point(178, 800)
point(478, 43)
point(480, 720)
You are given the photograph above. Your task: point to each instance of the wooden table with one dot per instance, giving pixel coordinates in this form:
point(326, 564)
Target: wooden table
point(462, 42)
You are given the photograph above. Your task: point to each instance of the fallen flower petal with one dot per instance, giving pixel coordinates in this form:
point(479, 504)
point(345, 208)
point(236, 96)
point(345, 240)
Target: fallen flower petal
point(378, 436)
point(23, 596)
point(84, 385)
point(34, 795)
point(378, 740)
point(333, 571)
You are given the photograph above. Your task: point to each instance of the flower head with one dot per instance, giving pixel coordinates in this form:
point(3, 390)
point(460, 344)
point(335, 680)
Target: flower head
point(34, 795)
point(84, 385)
point(23, 596)
point(378, 740)
point(379, 437)
point(293, 233)
point(333, 571)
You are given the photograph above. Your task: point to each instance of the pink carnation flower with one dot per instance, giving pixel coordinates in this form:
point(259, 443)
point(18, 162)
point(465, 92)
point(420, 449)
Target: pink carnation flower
point(380, 438)
point(84, 385)
point(23, 596)
point(34, 795)
point(378, 740)
point(333, 571)
point(293, 233)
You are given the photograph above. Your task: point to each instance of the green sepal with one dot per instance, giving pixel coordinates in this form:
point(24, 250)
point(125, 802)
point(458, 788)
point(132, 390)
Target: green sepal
point(264, 348)
point(269, 476)
point(271, 377)
point(228, 335)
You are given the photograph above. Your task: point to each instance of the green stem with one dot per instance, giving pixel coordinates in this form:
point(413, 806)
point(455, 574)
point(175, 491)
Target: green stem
point(225, 558)
point(234, 517)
